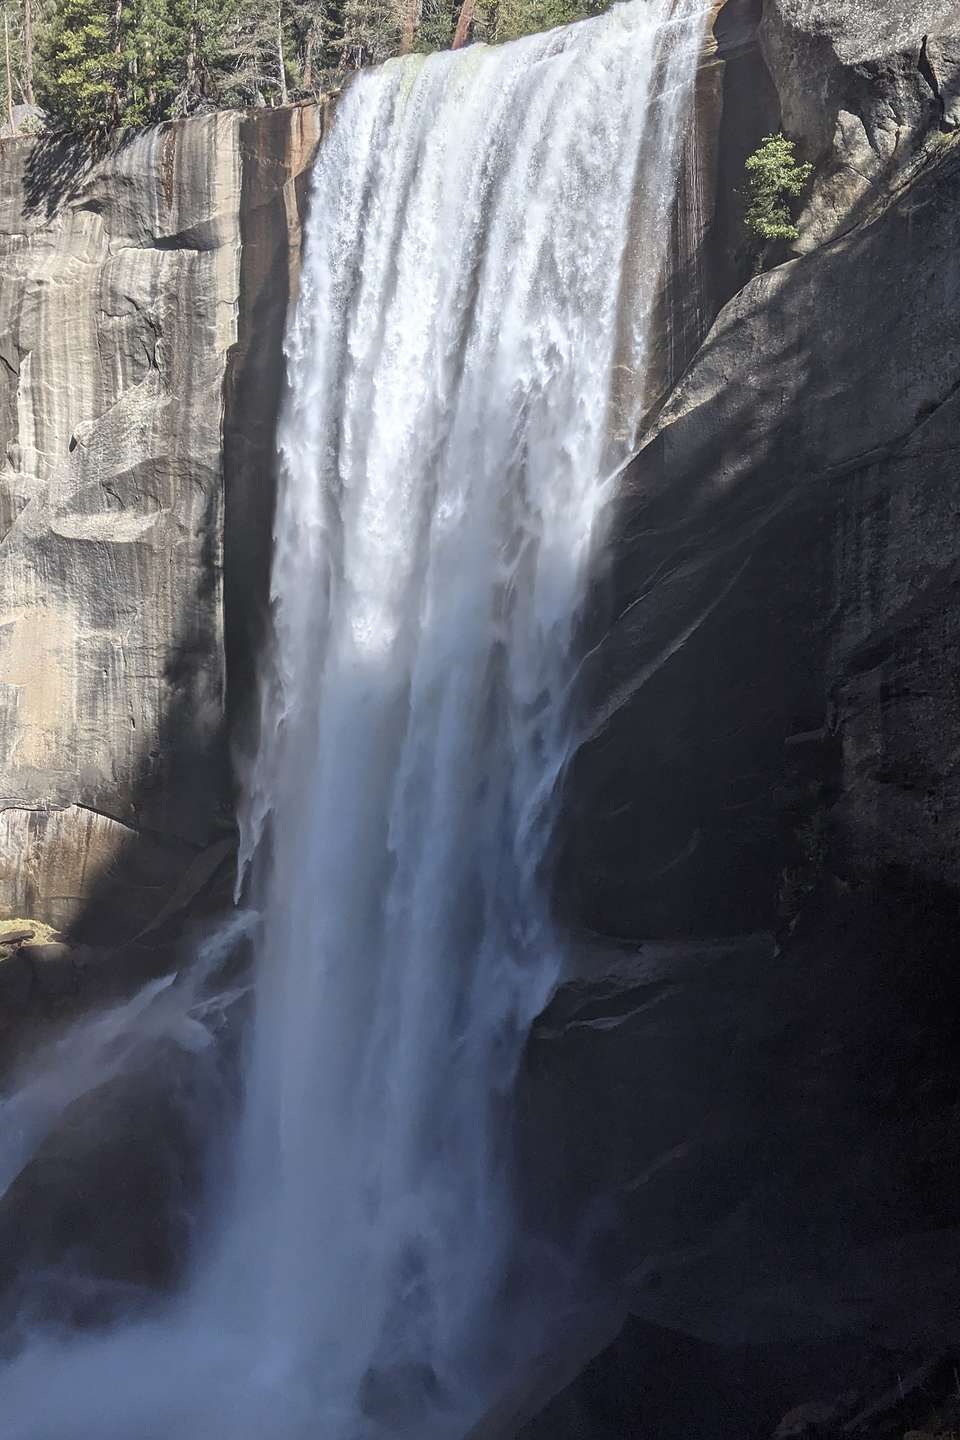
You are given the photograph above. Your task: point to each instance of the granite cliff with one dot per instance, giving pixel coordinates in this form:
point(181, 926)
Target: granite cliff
point(141, 307)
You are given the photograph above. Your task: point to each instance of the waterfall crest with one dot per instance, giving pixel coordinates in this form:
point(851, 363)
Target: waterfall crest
point(448, 436)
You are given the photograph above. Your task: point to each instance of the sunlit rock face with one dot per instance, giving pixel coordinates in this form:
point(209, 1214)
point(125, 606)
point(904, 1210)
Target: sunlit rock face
point(118, 314)
point(861, 85)
point(125, 314)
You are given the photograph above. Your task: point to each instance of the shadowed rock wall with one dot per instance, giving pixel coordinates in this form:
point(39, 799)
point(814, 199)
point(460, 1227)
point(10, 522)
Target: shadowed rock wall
point(751, 1138)
point(782, 540)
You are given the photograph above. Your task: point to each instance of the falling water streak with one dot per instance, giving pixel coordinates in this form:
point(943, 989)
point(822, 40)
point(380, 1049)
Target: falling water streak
point(100, 1047)
point(445, 443)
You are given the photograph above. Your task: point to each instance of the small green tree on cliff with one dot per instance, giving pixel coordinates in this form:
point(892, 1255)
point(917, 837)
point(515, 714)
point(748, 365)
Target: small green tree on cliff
point(774, 176)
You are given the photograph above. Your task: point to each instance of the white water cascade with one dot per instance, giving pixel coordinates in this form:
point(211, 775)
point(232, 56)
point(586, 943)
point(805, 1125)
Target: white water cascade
point(481, 226)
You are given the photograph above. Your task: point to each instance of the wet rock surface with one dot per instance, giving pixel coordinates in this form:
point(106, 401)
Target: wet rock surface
point(657, 1382)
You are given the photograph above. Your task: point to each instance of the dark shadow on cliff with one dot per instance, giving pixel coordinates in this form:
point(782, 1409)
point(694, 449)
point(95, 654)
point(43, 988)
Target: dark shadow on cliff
point(254, 388)
point(58, 164)
point(713, 736)
point(136, 1089)
point(774, 1138)
point(752, 1138)
point(653, 1381)
point(183, 831)
point(130, 1107)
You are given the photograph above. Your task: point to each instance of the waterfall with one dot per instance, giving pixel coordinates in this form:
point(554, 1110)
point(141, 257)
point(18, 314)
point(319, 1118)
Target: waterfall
point(478, 222)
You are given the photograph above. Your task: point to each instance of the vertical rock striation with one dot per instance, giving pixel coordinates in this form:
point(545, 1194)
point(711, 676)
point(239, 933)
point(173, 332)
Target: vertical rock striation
point(128, 297)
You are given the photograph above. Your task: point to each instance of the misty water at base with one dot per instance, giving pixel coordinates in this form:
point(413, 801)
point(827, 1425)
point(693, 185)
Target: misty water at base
point(465, 368)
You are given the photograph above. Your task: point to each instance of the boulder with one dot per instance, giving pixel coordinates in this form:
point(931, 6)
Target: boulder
point(101, 1217)
point(813, 1421)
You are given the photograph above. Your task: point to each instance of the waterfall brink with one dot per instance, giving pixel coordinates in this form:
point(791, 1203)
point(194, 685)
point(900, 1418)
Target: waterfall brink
point(446, 449)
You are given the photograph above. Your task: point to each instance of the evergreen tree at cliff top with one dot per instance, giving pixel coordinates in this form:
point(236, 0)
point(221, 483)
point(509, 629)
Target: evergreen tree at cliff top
point(115, 63)
point(131, 62)
point(152, 49)
point(82, 58)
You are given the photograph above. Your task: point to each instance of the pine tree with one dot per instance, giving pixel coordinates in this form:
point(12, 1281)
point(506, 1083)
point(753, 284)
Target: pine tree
point(153, 62)
point(513, 18)
point(82, 57)
point(314, 30)
point(7, 71)
point(774, 177)
point(109, 63)
point(436, 25)
point(247, 67)
point(372, 31)
point(27, 52)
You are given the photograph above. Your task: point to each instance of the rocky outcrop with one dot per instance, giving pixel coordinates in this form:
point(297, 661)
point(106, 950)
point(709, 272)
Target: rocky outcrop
point(861, 86)
point(131, 288)
point(651, 1381)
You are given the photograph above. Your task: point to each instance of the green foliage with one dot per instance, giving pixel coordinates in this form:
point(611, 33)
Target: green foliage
point(242, 66)
point(107, 64)
point(371, 32)
point(515, 18)
point(437, 21)
point(774, 177)
point(152, 51)
point(312, 29)
point(131, 63)
point(9, 14)
point(82, 57)
point(495, 21)
point(17, 23)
